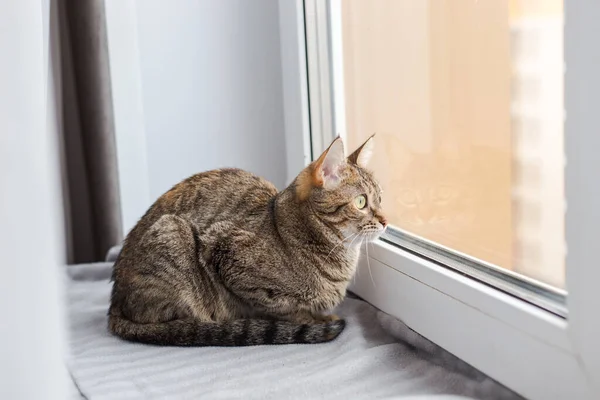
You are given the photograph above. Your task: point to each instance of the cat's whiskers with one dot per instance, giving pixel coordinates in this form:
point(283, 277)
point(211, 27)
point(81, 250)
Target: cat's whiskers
point(352, 241)
point(356, 270)
point(370, 242)
point(342, 241)
point(380, 235)
point(368, 261)
point(357, 235)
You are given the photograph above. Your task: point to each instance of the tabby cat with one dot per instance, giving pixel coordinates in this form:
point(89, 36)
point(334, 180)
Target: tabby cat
point(224, 259)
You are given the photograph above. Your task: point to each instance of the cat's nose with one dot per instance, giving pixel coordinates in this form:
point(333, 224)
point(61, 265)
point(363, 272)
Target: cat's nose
point(383, 221)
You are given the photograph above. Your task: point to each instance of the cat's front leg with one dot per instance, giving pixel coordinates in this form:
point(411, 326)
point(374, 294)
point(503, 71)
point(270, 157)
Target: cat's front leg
point(250, 272)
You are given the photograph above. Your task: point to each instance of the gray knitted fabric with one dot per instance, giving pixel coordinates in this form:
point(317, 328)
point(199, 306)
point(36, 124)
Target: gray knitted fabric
point(376, 357)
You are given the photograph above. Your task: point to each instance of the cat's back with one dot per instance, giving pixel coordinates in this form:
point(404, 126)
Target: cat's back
point(227, 194)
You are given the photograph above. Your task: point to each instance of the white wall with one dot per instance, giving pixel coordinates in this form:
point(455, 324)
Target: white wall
point(209, 92)
point(32, 329)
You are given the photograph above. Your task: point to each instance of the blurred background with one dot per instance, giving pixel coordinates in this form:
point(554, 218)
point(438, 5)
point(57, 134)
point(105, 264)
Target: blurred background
point(467, 100)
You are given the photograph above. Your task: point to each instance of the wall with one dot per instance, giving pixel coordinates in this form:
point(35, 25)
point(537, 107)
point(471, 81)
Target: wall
point(203, 82)
point(32, 329)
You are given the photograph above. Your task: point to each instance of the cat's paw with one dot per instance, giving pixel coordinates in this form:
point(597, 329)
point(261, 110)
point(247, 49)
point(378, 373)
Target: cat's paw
point(314, 318)
point(326, 318)
point(334, 328)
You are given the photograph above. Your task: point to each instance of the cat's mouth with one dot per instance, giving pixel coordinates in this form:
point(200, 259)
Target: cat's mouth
point(372, 234)
point(364, 235)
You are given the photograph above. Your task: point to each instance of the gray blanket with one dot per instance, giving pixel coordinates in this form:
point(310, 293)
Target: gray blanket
point(376, 357)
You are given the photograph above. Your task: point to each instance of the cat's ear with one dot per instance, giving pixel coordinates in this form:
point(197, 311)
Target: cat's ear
point(363, 154)
point(327, 168)
point(325, 172)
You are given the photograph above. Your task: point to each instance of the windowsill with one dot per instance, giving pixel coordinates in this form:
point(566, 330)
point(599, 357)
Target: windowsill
point(481, 325)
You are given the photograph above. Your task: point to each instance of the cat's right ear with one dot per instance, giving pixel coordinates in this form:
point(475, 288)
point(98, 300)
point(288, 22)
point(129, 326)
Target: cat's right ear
point(325, 172)
point(363, 154)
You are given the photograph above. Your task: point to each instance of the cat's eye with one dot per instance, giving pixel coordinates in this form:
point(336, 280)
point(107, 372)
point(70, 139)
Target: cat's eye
point(360, 201)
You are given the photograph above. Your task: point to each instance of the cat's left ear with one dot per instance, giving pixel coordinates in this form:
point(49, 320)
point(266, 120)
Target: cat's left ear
point(363, 154)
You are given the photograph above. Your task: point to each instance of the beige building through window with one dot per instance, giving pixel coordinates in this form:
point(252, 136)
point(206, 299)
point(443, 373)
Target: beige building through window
point(466, 99)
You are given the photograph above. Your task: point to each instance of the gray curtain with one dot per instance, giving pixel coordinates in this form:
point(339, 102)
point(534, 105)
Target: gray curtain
point(90, 175)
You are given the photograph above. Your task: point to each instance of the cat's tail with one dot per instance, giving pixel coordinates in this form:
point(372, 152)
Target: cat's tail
point(242, 332)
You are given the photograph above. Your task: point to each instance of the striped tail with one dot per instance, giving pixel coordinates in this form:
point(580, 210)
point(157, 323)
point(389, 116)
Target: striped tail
point(242, 332)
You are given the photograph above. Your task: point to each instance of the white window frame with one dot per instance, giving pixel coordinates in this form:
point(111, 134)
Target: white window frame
point(535, 353)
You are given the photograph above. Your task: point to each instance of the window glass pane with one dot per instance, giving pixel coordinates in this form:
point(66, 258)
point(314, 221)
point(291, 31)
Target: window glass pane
point(466, 98)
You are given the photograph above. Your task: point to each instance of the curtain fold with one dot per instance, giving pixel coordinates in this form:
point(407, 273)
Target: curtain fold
point(91, 180)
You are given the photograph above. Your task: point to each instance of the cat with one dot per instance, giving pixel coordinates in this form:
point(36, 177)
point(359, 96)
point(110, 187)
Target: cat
point(224, 259)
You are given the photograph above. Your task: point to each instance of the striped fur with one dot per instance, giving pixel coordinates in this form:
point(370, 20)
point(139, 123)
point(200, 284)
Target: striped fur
point(223, 259)
point(240, 332)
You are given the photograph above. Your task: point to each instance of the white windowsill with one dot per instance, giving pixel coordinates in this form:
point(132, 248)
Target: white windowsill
point(486, 328)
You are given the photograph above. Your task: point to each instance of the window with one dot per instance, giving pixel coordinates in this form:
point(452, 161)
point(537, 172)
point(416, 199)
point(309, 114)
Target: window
point(474, 115)
point(466, 99)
